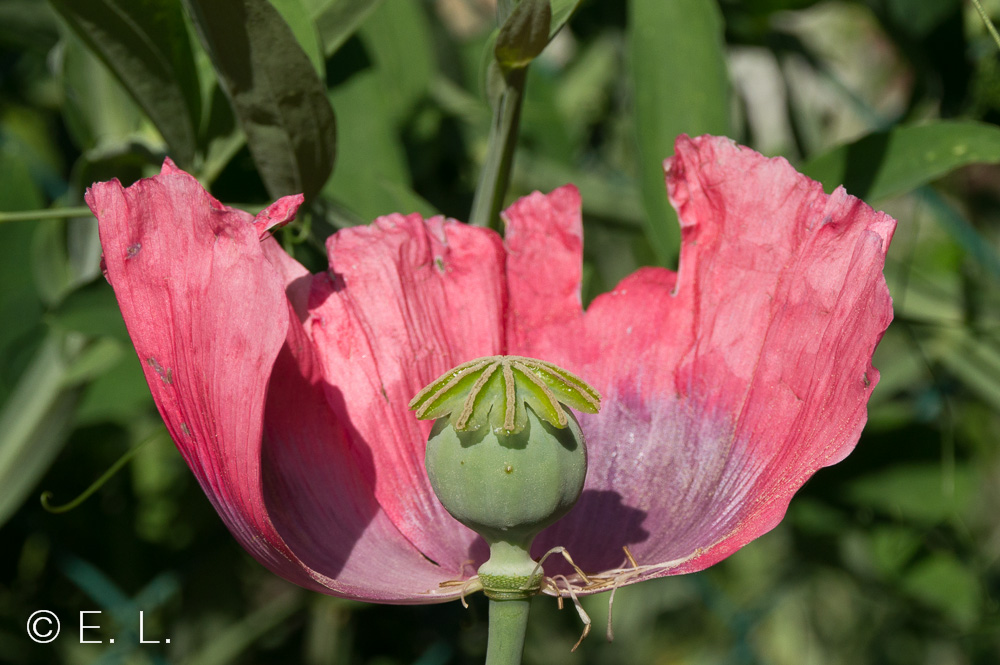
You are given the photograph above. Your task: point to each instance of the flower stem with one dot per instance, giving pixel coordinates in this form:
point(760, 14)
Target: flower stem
point(508, 622)
point(986, 19)
point(500, 153)
point(52, 213)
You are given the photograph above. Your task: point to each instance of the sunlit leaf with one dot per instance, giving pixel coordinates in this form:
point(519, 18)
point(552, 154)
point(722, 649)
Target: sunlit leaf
point(888, 163)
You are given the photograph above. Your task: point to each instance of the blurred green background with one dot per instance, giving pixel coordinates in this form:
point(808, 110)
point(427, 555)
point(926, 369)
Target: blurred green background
point(889, 557)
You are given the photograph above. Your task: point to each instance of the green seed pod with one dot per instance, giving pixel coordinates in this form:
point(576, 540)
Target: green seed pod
point(505, 457)
point(507, 486)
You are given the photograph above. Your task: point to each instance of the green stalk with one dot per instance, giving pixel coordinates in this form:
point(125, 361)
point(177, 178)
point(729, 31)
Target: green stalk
point(52, 213)
point(508, 622)
point(986, 19)
point(500, 153)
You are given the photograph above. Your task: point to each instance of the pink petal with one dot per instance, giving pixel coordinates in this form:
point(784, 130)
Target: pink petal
point(319, 492)
point(544, 240)
point(720, 401)
point(207, 315)
point(203, 299)
point(278, 213)
point(404, 301)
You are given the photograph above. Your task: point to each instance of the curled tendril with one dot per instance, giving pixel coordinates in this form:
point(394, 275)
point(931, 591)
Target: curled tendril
point(497, 389)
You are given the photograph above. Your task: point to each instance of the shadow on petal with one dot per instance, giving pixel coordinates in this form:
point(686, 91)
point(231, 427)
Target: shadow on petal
point(318, 485)
point(594, 533)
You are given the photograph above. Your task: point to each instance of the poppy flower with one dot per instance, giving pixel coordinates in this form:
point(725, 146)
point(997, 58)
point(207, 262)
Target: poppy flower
point(725, 385)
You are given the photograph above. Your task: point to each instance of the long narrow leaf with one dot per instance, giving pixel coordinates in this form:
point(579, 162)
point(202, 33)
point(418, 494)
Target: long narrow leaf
point(681, 86)
point(279, 100)
point(888, 163)
point(34, 421)
point(399, 40)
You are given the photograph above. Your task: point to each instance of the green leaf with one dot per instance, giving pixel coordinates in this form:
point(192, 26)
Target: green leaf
point(337, 20)
point(35, 420)
point(91, 310)
point(65, 254)
point(28, 24)
point(50, 262)
point(20, 307)
point(585, 89)
point(100, 114)
point(370, 150)
point(94, 361)
point(524, 34)
point(942, 582)
point(918, 19)
point(278, 98)
point(145, 43)
point(562, 12)
point(681, 87)
point(119, 395)
point(229, 644)
point(300, 21)
point(961, 231)
point(921, 493)
point(884, 164)
point(973, 358)
point(893, 546)
point(399, 41)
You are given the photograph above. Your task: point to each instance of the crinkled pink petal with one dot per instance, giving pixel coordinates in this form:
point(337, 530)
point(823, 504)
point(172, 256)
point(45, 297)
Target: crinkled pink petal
point(204, 301)
point(727, 385)
point(207, 315)
point(544, 242)
point(319, 492)
point(278, 213)
point(404, 301)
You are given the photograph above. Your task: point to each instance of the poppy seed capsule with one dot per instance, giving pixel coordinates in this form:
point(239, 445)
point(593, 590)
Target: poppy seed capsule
point(506, 458)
